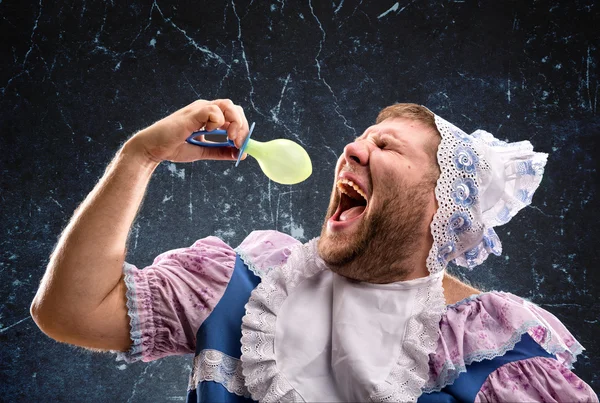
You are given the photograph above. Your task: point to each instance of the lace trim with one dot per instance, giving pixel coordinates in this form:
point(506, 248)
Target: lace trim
point(456, 225)
point(135, 352)
point(568, 353)
point(411, 372)
point(263, 379)
point(215, 366)
point(248, 262)
point(462, 227)
point(528, 169)
point(266, 383)
point(572, 353)
point(451, 371)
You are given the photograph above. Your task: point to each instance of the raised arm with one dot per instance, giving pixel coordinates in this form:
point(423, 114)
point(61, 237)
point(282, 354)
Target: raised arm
point(81, 299)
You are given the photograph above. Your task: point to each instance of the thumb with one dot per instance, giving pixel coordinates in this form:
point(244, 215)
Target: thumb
point(235, 153)
point(190, 153)
point(217, 153)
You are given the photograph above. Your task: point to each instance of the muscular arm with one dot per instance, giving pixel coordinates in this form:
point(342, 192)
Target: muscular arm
point(81, 299)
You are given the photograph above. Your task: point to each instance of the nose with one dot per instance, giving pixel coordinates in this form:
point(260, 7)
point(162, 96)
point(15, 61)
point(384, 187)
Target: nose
point(357, 152)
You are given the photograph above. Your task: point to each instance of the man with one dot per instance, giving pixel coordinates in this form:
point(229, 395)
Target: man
point(364, 313)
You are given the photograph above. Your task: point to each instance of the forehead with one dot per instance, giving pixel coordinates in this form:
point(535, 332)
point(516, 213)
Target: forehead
point(403, 129)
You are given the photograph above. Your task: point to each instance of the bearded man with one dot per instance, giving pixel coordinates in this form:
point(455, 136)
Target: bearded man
point(365, 312)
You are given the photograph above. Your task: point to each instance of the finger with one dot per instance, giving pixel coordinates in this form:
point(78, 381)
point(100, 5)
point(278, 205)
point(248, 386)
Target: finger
point(189, 153)
point(223, 103)
point(221, 153)
point(232, 133)
point(209, 116)
point(233, 116)
point(239, 130)
point(200, 115)
point(193, 106)
point(235, 152)
point(245, 127)
point(198, 102)
point(190, 112)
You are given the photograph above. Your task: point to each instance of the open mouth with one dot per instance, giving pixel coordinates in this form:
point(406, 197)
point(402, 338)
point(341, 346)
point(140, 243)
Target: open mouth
point(353, 201)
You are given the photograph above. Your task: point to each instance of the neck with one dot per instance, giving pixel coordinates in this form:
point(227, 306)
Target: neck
point(402, 270)
point(455, 290)
point(413, 267)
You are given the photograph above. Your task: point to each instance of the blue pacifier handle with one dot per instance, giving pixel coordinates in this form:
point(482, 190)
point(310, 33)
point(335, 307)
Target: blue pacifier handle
point(227, 143)
point(195, 142)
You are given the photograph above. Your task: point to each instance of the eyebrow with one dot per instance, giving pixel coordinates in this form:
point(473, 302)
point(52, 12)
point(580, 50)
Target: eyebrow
point(365, 134)
point(358, 138)
point(391, 133)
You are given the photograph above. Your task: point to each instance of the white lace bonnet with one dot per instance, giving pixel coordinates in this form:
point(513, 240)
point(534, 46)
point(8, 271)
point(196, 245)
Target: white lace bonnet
point(483, 183)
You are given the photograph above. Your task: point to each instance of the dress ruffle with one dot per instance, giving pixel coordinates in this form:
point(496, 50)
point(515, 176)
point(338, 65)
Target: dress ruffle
point(168, 300)
point(536, 379)
point(216, 366)
point(487, 326)
point(263, 379)
point(142, 326)
point(409, 374)
point(262, 251)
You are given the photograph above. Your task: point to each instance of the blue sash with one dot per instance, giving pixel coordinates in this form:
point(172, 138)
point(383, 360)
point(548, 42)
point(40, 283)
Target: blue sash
point(222, 331)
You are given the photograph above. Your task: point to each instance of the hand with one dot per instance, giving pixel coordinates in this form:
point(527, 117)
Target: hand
point(165, 139)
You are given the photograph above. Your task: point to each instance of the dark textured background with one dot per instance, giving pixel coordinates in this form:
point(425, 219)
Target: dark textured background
point(77, 80)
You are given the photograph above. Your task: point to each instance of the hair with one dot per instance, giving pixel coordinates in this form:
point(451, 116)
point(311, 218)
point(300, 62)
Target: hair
point(420, 114)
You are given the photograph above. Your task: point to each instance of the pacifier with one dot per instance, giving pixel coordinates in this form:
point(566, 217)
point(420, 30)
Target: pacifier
point(281, 160)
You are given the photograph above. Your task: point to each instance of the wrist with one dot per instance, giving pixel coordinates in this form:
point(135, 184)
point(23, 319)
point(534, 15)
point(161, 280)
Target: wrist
point(131, 150)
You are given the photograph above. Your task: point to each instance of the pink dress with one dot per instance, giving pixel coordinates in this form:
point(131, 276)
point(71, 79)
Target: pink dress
point(169, 300)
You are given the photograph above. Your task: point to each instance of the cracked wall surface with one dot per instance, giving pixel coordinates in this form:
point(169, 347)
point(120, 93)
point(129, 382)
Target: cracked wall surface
point(78, 78)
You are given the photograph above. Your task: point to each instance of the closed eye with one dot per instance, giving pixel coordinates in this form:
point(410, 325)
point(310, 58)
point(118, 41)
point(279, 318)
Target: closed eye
point(381, 143)
point(384, 141)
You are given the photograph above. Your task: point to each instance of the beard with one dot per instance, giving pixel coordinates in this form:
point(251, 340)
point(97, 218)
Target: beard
point(380, 249)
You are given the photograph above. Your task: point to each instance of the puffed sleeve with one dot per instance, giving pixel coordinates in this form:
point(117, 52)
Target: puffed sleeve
point(536, 379)
point(264, 250)
point(168, 300)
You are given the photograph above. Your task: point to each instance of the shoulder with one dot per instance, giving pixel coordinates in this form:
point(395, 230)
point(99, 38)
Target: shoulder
point(265, 249)
point(455, 290)
point(488, 325)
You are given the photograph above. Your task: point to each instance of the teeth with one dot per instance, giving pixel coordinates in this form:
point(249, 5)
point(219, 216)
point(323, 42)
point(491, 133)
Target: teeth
point(352, 184)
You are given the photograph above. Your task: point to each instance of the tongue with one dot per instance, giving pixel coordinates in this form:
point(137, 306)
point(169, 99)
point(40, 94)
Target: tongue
point(351, 213)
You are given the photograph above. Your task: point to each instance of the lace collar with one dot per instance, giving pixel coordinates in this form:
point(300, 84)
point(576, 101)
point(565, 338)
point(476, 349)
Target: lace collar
point(268, 373)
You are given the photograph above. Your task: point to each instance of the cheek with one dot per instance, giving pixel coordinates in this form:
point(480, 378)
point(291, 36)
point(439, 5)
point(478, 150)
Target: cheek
point(390, 175)
point(387, 185)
